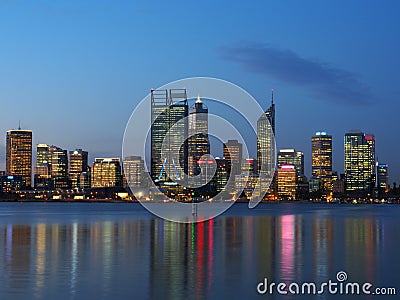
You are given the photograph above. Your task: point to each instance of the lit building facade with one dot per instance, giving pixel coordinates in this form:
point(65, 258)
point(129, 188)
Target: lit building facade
point(42, 170)
point(222, 174)
point(133, 171)
point(321, 160)
point(245, 184)
point(78, 163)
point(42, 177)
point(85, 179)
point(11, 183)
point(51, 170)
point(292, 157)
point(42, 154)
point(249, 166)
point(382, 177)
point(287, 182)
point(59, 167)
point(233, 153)
point(198, 143)
point(19, 154)
point(106, 172)
point(266, 141)
point(359, 162)
point(169, 116)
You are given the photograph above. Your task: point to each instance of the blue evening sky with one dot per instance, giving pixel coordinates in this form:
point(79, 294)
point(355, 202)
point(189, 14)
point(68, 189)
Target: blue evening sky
point(72, 71)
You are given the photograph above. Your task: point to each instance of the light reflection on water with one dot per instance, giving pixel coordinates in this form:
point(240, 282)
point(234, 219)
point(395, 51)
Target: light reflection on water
point(97, 251)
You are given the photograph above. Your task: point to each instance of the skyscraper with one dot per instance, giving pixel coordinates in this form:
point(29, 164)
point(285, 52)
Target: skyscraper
point(106, 172)
point(42, 170)
point(287, 182)
point(249, 166)
point(19, 154)
point(292, 157)
point(51, 170)
point(359, 162)
point(78, 163)
point(222, 173)
point(133, 171)
point(233, 152)
point(169, 114)
point(59, 167)
point(321, 160)
point(42, 154)
point(265, 140)
point(382, 178)
point(198, 143)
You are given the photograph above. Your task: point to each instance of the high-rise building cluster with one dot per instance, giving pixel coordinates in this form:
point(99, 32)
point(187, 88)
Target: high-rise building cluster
point(363, 176)
point(181, 164)
point(58, 169)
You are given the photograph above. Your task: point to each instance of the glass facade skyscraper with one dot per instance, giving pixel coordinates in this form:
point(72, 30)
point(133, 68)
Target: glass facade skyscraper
point(42, 171)
point(133, 171)
point(19, 154)
point(359, 162)
point(292, 157)
point(169, 116)
point(233, 152)
point(321, 160)
point(382, 177)
point(78, 163)
point(198, 143)
point(59, 167)
point(266, 141)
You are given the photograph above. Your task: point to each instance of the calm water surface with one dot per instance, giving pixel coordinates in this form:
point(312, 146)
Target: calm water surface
point(60, 251)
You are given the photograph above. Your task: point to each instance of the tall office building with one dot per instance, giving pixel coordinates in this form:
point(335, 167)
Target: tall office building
point(222, 174)
point(133, 171)
point(370, 140)
point(169, 112)
point(359, 162)
point(292, 157)
point(51, 170)
point(249, 166)
point(85, 179)
point(382, 177)
point(106, 172)
point(266, 140)
point(59, 167)
point(233, 152)
point(19, 154)
point(42, 154)
point(42, 170)
point(78, 163)
point(321, 160)
point(198, 142)
point(287, 182)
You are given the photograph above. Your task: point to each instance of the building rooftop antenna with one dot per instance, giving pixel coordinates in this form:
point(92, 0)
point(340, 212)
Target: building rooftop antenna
point(272, 96)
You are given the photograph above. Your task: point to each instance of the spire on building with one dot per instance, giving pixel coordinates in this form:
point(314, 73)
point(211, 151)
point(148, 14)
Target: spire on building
point(198, 101)
point(272, 96)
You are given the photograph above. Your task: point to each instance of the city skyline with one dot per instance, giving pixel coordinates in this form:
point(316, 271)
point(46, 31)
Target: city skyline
point(66, 75)
point(308, 169)
point(364, 175)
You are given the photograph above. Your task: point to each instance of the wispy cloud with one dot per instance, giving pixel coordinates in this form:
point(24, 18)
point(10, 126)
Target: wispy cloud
point(324, 81)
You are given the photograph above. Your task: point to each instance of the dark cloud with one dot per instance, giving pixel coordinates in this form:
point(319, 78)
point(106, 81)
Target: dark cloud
point(326, 82)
